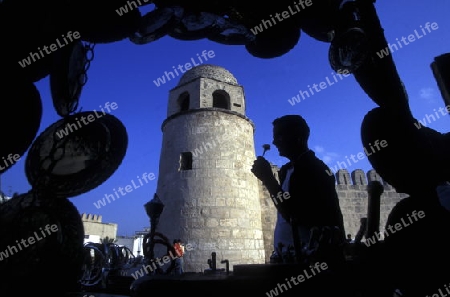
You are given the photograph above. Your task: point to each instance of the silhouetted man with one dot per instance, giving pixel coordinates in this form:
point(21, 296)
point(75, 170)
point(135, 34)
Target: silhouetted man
point(306, 195)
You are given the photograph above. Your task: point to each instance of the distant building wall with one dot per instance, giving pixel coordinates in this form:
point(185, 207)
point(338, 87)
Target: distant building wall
point(268, 216)
point(353, 198)
point(93, 226)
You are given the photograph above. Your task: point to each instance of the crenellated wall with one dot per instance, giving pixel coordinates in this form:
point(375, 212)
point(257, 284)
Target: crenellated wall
point(87, 217)
point(353, 198)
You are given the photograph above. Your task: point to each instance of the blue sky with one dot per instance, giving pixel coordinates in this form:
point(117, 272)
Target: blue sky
point(123, 72)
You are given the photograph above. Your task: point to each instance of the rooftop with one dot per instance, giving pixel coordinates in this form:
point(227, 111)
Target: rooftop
point(208, 71)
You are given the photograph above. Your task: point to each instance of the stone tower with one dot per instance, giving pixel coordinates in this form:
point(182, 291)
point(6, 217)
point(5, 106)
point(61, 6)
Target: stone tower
point(211, 198)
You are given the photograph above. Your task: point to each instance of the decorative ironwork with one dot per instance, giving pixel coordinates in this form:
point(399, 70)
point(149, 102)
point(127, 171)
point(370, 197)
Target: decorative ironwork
point(153, 209)
point(70, 158)
point(103, 260)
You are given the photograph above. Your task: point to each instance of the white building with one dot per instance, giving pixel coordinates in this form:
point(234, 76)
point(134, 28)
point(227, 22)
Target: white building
point(134, 243)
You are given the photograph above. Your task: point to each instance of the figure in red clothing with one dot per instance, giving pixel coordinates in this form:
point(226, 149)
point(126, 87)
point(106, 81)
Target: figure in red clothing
point(176, 266)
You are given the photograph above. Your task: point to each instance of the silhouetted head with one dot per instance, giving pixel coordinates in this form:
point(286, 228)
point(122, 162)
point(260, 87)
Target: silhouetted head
point(290, 135)
point(412, 159)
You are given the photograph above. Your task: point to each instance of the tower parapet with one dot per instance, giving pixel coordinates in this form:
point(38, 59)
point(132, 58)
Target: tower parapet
point(91, 218)
point(206, 86)
point(353, 197)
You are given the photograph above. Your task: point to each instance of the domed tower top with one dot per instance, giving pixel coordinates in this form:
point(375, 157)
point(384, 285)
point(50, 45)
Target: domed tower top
point(206, 87)
point(208, 71)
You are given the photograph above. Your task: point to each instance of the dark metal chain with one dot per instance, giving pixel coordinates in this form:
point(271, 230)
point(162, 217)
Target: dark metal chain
point(82, 77)
point(221, 29)
point(89, 56)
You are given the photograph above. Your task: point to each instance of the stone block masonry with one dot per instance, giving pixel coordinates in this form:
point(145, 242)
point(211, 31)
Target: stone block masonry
point(353, 198)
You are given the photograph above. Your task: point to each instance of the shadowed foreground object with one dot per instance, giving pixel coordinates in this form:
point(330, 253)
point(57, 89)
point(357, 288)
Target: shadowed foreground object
point(42, 246)
point(425, 149)
point(20, 117)
point(67, 76)
point(441, 72)
point(76, 154)
point(352, 28)
point(274, 44)
point(41, 232)
point(420, 215)
point(63, 166)
point(253, 279)
point(98, 21)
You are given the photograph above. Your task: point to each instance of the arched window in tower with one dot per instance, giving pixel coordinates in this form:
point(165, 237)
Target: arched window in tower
point(183, 101)
point(221, 99)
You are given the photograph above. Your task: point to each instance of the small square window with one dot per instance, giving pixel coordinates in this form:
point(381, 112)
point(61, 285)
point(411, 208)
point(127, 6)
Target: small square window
point(185, 161)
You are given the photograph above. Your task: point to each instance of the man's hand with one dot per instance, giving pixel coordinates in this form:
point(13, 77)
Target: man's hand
point(263, 171)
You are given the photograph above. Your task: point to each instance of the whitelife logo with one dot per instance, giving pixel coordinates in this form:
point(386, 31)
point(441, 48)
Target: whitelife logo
point(281, 196)
point(152, 267)
point(10, 160)
point(317, 268)
point(206, 145)
point(128, 189)
point(187, 66)
point(430, 117)
point(345, 73)
point(322, 85)
point(33, 57)
point(79, 122)
point(266, 24)
point(440, 293)
point(360, 155)
point(398, 226)
point(411, 38)
point(24, 243)
point(130, 6)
